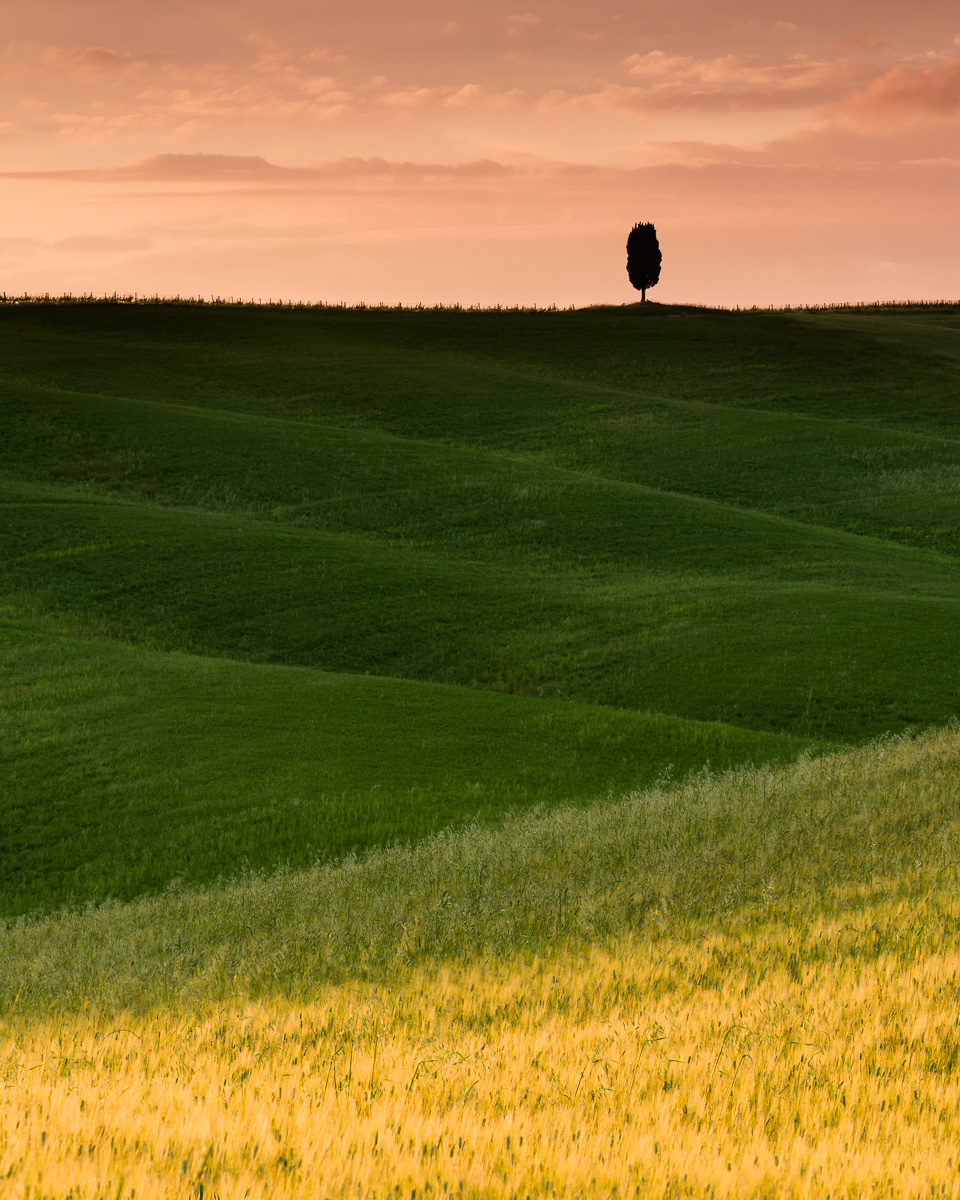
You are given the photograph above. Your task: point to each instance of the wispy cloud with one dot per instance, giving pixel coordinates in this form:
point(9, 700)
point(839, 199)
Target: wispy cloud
point(240, 168)
point(908, 91)
point(730, 82)
point(520, 23)
point(85, 63)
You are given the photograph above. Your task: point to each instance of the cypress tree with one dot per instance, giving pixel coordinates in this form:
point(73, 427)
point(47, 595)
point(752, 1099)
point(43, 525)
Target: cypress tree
point(643, 258)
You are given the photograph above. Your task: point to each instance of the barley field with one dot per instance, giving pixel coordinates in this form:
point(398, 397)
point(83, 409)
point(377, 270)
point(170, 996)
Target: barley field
point(746, 986)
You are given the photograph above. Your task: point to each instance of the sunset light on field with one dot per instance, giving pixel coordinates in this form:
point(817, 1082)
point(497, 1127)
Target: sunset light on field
point(481, 153)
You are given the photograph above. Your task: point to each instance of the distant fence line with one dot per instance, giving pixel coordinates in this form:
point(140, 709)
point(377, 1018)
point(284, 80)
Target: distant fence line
point(234, 302)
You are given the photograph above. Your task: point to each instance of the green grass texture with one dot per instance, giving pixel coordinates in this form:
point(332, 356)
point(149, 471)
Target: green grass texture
point(864, 841)
point(828, 646)
point(128, 768)
point(661, 523)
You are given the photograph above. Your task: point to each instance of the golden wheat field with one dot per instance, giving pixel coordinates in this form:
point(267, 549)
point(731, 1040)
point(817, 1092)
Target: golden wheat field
point(551, 1008)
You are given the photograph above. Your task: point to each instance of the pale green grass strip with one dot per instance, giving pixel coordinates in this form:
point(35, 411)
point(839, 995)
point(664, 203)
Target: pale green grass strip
point(749, 841)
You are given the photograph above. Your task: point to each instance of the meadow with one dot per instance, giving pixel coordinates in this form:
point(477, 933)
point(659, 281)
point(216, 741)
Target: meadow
point(138, 767)
point(479, 752)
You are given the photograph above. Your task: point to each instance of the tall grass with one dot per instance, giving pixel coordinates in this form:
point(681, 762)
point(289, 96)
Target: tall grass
point(742, 841)
point(744, 988)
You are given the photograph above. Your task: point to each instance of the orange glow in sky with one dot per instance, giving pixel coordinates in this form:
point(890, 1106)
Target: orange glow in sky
point(486, 153)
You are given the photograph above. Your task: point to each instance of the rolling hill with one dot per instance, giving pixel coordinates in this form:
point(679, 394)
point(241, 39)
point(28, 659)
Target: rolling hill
point(479, 753)
point(250, 554)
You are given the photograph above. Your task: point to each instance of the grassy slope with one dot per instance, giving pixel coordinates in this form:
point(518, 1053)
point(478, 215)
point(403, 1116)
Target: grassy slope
point(765, 411)
point(413, 368)
point(901, 486)
point(828, 646)
point(825, 835)
point(597, 505)
point(127, 768)
point(929, 332)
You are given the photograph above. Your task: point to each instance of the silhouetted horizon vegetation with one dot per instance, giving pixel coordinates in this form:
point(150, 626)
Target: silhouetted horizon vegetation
point(156, 299)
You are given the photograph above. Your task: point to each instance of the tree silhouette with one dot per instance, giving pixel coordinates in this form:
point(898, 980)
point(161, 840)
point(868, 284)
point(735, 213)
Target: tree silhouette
point(643, 258)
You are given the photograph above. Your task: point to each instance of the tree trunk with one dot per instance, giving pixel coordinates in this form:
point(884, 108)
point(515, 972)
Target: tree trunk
point(643, 295)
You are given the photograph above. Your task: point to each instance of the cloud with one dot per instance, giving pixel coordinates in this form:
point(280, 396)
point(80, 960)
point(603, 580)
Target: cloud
point(472, 95)
point(165, 167)
point(383, 176)
point(519, 23)
point(412, 97)
point(97, 60)
point(256, 170)
point(829, 147)
point(94, 90)
point(256, 100)
point(90, 63)
point(468, 96)
point(906, 91)
point(866, 147)
point(728, 83)
point(862, 41)
point(326, 89)
point(325, 54)
point(732, 75)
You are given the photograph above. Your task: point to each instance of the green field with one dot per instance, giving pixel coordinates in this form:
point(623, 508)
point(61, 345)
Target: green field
point(283, 584)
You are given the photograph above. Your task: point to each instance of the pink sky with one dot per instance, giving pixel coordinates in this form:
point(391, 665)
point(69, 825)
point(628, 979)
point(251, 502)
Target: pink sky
point(481, 153)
